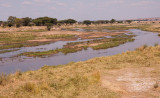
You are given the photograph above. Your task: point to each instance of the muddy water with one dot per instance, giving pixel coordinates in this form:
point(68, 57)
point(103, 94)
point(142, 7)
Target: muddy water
point(10, 65)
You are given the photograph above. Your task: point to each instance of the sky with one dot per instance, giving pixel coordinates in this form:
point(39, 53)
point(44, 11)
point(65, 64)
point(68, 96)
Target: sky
point(80, 9)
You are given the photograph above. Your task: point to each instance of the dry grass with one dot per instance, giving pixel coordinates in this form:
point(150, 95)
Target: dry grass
point(80, 79)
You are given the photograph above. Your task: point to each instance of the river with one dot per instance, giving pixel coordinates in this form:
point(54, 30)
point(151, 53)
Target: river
point(10, 64)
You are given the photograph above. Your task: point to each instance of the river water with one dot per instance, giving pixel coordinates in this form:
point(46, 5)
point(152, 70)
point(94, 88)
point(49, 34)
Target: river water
point(10, 64)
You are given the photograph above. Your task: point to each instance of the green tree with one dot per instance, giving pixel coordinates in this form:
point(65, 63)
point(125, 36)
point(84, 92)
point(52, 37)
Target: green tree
point(43, 20)
point(10, 24)
point(106, 21)
point(112, 21)
point(129, 21)
point(100, 22)
point(18, 22)
point(70, 21)
point(67, 21)
point(11, 20)
point(26, 21)
point(87, 22)
point(49, 26)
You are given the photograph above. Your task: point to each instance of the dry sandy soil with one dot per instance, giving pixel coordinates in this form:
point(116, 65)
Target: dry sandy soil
point(133, 82)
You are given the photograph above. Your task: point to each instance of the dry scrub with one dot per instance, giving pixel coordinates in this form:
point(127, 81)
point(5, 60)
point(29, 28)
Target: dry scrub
point(81, 79)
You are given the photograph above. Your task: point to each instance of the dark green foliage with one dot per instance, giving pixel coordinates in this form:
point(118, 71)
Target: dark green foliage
point(49, 26)
point(10, 24)
point(112, 21)
point(68, 21)
point(44, 20)
point(11, 20)
point(87, 22)
point(26, 21)
point(129, 21)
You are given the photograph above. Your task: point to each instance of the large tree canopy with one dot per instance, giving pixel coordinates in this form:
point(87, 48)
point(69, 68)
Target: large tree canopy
point(44, 20)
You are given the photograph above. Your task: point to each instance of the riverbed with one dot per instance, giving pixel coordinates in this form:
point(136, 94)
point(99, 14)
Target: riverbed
point(10, 64)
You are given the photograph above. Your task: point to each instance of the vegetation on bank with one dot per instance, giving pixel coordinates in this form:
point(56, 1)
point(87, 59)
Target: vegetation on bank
point(18, 40)
point(80, 79)
point(97, 44)
point(47, 21)
point(48, 53)
point(39, 30)
point(57, 36)
point(144, 27)
point(5, 51)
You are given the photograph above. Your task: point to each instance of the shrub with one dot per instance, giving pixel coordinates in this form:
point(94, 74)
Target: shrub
point(3, 79)
point(29, 87)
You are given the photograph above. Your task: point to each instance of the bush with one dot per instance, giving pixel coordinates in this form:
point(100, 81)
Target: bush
point(3, 79)
point(29, 87)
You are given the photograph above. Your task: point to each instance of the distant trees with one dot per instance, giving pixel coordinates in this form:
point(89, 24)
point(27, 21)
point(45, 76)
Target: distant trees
point(49, 26)
point(129, 21)
point(14, 21)
point(101, 22)
point(11, 20)
point(87, 22)
point(18, 22)
point(42, 21)
point(26, 21)
point(49, 22)
point(119, 21)
point(67, 21)
point(112, 21)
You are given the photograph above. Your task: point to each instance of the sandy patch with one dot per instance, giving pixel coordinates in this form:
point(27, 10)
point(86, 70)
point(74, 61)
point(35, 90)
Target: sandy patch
point(133, 82)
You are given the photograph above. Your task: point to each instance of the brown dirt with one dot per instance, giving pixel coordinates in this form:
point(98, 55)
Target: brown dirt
point(133, 82)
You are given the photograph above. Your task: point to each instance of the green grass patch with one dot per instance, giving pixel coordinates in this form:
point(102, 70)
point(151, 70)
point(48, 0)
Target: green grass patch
point(5, 51)
point(19, 45)
point(39, 30)
point(73, 47)
point(50, 52)
point(57, 36)
point(39, 54)
point(9, 38)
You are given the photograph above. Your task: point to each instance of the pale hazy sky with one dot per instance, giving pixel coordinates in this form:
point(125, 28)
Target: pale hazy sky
point(80, 9)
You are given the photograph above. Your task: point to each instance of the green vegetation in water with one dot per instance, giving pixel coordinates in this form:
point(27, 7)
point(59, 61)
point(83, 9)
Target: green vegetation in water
point(66, 36)
point(50, 52)
point(116, 41)
point(78, 46)
point(5, 51)
point(19, 45)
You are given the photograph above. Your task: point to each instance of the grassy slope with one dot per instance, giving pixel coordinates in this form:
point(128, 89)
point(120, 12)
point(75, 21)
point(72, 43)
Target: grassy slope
point(81, 79)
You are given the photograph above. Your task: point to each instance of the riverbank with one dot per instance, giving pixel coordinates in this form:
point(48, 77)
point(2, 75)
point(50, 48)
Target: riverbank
point(10, 63)
point(35, 36)
point(95, 44)
point(28, 39)
point(138, 71)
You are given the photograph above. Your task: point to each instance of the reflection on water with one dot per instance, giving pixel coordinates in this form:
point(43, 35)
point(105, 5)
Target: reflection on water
point(10, 65)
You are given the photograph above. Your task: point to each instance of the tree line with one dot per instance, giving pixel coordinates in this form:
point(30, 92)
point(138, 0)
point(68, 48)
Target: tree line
point(49, 22)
